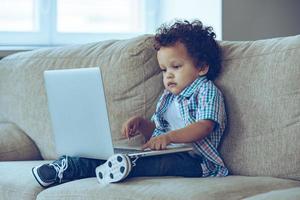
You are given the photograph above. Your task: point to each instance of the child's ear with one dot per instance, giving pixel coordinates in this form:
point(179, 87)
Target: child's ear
point(203, 70)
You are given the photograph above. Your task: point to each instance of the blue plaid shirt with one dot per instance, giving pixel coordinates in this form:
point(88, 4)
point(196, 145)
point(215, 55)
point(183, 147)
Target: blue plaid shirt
point(201, 100)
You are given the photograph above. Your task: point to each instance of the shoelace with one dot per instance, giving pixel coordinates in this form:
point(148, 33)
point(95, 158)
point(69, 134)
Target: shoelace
point(135, 158)
point(60, 168)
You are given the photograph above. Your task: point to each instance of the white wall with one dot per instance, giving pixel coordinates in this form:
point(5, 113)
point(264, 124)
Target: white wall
point(238, 19)
point(260, 19)
point(207, 11)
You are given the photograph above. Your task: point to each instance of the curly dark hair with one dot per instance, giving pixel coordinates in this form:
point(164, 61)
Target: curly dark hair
point(199, 41)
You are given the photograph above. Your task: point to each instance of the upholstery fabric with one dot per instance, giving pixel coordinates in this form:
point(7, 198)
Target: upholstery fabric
point(15, 144)
point(290, 194)
point(130, 74)
point(168, 188)
point(17, 182)
point(261, 84)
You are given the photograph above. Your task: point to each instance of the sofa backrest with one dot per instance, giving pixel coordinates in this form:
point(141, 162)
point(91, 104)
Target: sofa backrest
point(259, 79)
point(261, 83)
point(131, 77)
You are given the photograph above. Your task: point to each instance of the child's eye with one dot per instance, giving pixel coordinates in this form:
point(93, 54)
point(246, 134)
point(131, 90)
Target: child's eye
point(176, 66)
point(163, 70)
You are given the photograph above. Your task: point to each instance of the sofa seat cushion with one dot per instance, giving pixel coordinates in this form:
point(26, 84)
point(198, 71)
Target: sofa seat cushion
point(15, 144)
point(232, 187)
point(290, 193)
point(16, 180)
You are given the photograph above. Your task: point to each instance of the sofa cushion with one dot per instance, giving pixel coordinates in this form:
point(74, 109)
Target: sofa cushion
point(290, 193)
point(15, 144)
point(232, 187)
point(17, 182)
point(261, 83)
point(130, 73)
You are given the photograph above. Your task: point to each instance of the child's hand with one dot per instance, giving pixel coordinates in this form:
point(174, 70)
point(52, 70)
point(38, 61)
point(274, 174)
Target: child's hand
point(131, 126)
point(158, 142)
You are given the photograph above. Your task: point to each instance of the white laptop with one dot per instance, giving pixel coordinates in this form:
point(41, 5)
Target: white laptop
point(79, 116)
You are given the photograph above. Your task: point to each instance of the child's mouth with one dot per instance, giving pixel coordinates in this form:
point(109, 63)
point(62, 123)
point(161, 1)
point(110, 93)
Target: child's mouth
point(171, 85)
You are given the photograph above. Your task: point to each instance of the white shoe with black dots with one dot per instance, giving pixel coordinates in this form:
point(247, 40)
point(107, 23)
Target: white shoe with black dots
point(115, 169)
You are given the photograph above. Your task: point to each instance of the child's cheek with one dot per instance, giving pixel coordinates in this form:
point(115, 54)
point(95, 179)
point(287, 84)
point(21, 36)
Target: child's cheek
point(165, 83)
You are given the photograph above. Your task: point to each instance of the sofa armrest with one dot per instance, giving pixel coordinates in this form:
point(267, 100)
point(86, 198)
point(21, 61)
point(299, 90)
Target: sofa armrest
point(15, 144)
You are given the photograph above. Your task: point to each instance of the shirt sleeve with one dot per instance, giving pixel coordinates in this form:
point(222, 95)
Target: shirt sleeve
point(160, 126)
point(211, 106)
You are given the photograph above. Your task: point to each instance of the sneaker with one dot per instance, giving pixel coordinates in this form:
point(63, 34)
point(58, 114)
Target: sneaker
point(49, 174)
point(115, 169)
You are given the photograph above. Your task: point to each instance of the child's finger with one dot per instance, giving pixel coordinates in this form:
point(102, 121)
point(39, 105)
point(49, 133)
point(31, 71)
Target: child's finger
point(129, 133)
point(133, 130)
point(126, 131)
point(123, 131)
point(145, 146)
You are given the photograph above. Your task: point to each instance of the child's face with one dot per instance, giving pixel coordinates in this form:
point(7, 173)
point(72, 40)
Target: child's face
point(178, 67)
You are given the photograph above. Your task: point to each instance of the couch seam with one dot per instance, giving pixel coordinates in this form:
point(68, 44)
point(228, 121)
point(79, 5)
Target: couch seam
point(28, 145)
point(76, 57)
point(47, 57)
point(14, 190)
point(259, 55)
point(74, 195)
point(144, 85)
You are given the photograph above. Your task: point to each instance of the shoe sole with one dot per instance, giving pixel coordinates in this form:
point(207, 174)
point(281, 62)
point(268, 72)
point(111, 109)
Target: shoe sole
point(37, 178)
point(115, 169)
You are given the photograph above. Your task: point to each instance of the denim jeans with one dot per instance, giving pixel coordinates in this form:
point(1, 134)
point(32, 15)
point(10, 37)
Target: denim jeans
point(175, 164)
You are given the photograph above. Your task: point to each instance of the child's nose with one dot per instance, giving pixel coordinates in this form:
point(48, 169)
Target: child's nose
point(170, 75)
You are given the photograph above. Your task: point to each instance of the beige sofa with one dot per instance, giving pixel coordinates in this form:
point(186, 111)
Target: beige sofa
point(261, 83)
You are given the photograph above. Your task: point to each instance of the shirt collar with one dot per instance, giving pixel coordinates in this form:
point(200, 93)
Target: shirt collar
point(168, 97)
point(189, 90)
